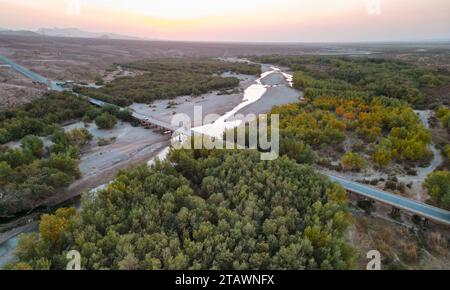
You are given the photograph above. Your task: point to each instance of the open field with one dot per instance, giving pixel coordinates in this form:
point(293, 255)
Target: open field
point(401, 245)
point(16, 89)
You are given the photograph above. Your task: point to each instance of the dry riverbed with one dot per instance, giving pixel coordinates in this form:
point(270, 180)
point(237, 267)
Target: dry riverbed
point(211, 103)
point(127, 146)
point(278, 93)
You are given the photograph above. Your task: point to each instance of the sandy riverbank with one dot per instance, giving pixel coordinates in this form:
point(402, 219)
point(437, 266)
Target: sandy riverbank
point(211, 103)
point(278, 93)
point(100, 164)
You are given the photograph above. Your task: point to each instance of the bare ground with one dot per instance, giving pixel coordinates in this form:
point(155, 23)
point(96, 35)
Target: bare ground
point(211, 103)
point(84, 59)
point(129, 146)
point(16, 89)
point(402, 244)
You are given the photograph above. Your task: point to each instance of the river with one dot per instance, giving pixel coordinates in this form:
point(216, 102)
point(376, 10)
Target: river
point(251, 95)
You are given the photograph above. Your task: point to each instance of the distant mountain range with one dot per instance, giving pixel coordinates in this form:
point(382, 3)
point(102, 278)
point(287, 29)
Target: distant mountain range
point(17, 32)
point(65, 32)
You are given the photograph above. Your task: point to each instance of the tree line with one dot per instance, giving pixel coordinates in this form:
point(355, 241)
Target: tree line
point(39, 116)
point(438, 183)
point(169, 78)
point(362, 77)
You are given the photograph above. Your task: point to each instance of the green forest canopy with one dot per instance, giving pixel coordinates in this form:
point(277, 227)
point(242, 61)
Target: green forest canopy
point(227, 209)
point(32, 173)
point(205, 209)
point(39, 116)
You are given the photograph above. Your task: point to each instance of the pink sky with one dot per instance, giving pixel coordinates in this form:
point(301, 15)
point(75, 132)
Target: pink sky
point(239, 20)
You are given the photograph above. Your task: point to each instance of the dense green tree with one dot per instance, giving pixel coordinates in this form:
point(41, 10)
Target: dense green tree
point(16, 157)
point(106, 121)
point(238, 213)
point(298, 151)
point(386, 129)
point(65, 164)
point(443, 114)
point(30, 174)
point(34, 144)
point(39, 116)
point(79, 137)
point(438, 185)
point(5, 136)
point(353, 161)
point(125, 115)
point(111, 109)
point(93, 113)
point(6, 173)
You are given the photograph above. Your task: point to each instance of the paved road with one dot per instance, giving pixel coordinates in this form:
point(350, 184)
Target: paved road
point(415, 207)
point(26, 72)
point(424, 210)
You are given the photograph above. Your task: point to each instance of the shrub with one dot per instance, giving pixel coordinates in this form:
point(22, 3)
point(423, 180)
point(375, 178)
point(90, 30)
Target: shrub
point(105, 121)
point(353, 161)
point(438, 186)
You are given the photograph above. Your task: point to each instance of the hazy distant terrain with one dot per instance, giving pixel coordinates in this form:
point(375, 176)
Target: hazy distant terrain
point(64, 32)
point(83, 58)
point(78, 33)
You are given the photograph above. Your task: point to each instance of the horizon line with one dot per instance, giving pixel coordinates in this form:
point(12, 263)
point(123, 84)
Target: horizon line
point(140, 38)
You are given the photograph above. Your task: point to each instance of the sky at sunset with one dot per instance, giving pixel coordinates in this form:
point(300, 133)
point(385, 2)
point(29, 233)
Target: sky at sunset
point(239, 20)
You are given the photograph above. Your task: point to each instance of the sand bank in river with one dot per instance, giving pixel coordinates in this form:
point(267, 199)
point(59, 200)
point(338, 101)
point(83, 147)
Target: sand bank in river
point(210, 103)
point(278, 93)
